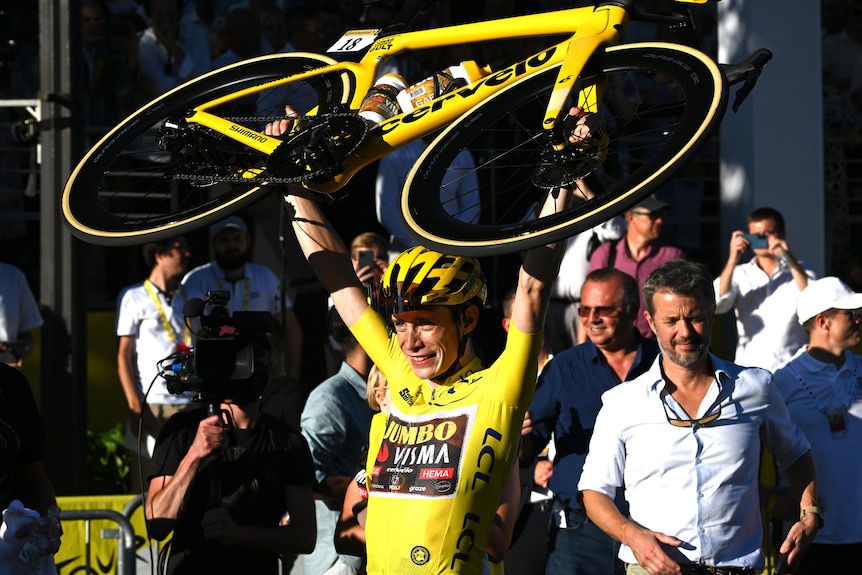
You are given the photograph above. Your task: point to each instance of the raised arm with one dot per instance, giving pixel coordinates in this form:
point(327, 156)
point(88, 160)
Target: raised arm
point(738, 245)
point(168, 494)
point(538, 271)
point(782, 250)
point(327, 256)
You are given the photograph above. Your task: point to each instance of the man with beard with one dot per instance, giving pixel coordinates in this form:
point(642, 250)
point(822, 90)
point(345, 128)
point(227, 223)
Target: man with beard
point(252, 287)
point(149, 330)
point(684, 440)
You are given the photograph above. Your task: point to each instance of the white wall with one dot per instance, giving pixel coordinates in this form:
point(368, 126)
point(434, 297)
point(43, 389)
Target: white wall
point(772, 149)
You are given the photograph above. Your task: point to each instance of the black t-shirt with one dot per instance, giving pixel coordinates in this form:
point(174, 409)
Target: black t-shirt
point(22, 437)
point(254, 471)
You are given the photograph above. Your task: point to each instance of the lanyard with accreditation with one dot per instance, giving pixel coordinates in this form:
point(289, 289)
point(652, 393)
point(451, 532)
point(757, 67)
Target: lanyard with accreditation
point(181, 341)
point(246, 288)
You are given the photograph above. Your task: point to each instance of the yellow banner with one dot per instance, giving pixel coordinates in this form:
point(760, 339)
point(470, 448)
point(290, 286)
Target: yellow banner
point(93, 545)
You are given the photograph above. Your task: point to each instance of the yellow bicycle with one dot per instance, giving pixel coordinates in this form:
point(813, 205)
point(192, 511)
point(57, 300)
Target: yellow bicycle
point(198, 152)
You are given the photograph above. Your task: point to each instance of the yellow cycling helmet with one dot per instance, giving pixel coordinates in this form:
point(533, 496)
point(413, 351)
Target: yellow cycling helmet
point(421, 277)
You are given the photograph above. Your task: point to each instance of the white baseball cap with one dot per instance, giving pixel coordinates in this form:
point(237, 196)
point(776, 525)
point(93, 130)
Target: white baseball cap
point(231, 222)
point(825, 294)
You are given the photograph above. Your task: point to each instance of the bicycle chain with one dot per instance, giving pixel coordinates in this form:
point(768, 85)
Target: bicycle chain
point(237, 179)
point(210, 179)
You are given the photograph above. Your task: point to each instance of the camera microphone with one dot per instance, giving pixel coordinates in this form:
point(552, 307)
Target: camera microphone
point(194, 307)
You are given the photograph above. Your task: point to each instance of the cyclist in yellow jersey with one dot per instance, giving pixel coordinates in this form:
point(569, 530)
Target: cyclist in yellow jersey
point(350, 530)
point(453, 427)
point(439, 469)
point(448, 443)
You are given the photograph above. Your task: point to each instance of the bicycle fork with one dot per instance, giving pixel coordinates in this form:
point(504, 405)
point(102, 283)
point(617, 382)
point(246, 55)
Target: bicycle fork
point(580, 49)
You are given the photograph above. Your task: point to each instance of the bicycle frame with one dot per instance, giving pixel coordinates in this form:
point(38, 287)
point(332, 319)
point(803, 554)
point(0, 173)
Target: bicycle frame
point(589, 29)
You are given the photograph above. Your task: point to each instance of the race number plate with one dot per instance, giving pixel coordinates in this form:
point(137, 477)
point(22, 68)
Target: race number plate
point(354, 41)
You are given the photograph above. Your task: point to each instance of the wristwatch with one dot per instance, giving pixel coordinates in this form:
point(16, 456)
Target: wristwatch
point(812, 511)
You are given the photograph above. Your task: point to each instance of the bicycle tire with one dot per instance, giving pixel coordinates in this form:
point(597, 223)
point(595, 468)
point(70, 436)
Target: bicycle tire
point(126, 191)
point(648, 142)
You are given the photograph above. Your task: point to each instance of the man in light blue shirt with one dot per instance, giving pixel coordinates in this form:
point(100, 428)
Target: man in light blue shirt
point(684, 441)
point(335, 422)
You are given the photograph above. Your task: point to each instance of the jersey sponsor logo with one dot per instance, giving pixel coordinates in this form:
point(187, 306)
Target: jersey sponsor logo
point(499, 78)
point(420, 555)
point(382, 457)
point(421, 457)
point(491, 441)
point(248, 133)
point(465, 539)
point(437, 473)
point(414, 434)
point(406, 396)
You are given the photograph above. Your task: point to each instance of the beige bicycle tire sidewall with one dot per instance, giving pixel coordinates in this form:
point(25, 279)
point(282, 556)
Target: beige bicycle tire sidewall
point(102, 236)
point(608, 207)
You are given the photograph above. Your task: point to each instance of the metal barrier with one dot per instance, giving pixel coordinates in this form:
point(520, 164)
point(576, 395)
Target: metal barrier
point(125, 535)
point(89, 548)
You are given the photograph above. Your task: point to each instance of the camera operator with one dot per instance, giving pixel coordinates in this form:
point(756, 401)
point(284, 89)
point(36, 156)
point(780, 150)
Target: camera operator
point(234, 487)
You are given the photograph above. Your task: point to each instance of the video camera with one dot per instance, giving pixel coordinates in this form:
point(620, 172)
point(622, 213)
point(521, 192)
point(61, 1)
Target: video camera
point(230, 360)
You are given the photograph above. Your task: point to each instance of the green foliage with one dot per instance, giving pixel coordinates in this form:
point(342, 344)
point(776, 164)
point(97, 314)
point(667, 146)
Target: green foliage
point(108, 462)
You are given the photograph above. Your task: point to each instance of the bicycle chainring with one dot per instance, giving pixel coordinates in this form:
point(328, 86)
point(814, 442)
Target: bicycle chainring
point(196, 154)
point(316, 147)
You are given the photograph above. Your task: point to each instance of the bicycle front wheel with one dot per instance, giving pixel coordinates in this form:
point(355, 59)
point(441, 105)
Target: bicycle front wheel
point(476, 188)
point(155, 176)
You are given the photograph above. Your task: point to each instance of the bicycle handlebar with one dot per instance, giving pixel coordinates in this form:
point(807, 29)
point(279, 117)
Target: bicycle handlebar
point(747, 71)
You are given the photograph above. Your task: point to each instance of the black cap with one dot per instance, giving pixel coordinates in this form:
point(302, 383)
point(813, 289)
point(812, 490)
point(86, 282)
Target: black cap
point(651, 204)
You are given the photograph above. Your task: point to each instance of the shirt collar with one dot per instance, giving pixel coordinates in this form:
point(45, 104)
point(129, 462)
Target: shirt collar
point(657, 382)
point(813, 365)
point(219, 273)
point(598, 358)
point(216, 269)
point(464, 373)
point(354, 378)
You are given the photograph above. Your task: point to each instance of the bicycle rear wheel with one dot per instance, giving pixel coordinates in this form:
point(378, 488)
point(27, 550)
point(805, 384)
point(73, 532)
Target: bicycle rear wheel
point(155, 176)
point(660, 101)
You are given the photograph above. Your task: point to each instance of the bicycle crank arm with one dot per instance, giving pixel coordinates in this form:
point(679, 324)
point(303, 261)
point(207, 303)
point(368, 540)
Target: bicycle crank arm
point(747, 71)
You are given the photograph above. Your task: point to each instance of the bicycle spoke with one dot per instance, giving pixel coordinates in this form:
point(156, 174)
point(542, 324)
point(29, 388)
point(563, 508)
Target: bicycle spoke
point(158, 174)
point(634, 133)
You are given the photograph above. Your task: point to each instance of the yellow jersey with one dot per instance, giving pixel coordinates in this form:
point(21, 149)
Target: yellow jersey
point(436, 471)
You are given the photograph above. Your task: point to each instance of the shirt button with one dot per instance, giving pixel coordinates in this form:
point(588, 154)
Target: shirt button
point(700, 495)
